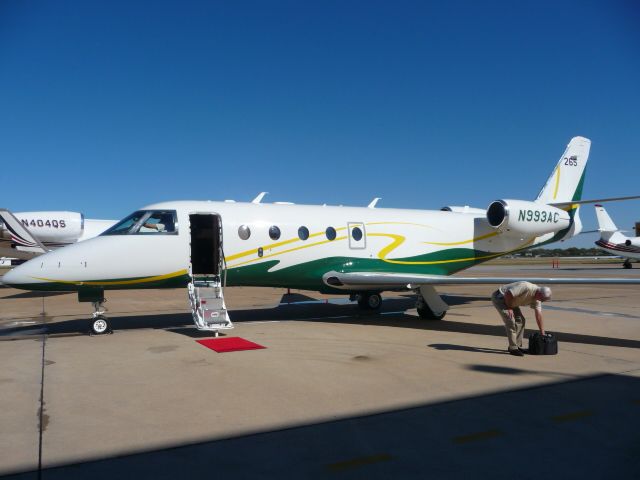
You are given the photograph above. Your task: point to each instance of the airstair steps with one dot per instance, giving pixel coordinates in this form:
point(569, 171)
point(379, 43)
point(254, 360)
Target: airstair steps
point(207, 305)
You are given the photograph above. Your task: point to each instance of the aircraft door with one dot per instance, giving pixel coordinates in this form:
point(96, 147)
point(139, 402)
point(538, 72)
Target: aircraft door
point(357, 235)
point(207, 273)
point(206, 244)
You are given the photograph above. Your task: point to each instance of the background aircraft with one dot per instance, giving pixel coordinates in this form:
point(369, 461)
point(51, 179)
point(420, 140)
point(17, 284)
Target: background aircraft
point(613, 241)
point(24, 235)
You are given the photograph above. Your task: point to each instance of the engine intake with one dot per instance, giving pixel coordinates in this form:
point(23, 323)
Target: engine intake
point(528, 218)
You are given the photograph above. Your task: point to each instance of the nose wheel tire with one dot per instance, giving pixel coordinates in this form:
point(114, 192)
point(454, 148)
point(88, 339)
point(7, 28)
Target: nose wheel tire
point(100, 325)
point(369, 301)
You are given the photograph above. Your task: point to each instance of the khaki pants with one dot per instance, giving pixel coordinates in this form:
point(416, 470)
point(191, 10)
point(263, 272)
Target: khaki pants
point(513, 325)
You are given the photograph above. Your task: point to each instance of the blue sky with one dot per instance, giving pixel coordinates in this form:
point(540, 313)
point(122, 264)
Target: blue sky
point(108, 106)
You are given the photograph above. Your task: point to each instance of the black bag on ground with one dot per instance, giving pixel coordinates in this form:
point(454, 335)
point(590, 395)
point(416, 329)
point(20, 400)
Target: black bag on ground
point(542, 344)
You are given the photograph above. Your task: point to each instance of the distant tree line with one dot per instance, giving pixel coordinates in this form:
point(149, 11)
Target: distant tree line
point(564, 252)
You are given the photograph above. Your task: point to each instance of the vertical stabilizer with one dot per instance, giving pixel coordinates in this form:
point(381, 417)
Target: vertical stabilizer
point(605, 224)
point(565, 182)
point(19, 234)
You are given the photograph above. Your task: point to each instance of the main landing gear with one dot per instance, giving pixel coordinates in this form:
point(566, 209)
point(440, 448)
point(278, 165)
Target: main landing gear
point(429, 304)
point(627, 264)
point(99, 323)
point(368, 300)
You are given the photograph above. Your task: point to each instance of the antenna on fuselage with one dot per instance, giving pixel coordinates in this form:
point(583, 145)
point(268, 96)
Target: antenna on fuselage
point(259, 198)
point(374, 202)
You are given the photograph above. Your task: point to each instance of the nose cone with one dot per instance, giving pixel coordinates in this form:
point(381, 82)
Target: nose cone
point(16, 277)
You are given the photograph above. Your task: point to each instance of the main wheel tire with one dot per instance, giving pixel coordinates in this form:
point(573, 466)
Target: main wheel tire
point(374, 301)
point(427, 314)
point(369, 301)
point(100, 325)
point(627, 264)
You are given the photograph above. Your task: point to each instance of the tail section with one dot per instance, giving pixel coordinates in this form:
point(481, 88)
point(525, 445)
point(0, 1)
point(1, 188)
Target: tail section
point(605, 224)
point(18, 233)
point(565, 183)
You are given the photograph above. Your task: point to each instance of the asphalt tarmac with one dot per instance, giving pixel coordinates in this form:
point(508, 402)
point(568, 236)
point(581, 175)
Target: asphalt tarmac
point(336, 393)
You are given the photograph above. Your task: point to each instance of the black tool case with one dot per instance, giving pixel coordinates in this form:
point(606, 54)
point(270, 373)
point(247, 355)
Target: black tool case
point(543, 344)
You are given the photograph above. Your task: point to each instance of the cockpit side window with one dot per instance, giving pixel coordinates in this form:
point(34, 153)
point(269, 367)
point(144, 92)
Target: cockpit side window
point(160, 221)
point(124, 226)
point(144, 222)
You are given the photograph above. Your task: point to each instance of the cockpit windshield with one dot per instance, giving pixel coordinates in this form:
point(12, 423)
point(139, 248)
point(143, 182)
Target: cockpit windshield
point(145, 222)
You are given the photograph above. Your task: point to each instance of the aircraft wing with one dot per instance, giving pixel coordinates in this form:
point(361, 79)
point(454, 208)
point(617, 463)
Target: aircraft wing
point(391, 281)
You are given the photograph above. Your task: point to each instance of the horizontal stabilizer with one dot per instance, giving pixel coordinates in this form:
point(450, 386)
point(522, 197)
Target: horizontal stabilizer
point(597, 200)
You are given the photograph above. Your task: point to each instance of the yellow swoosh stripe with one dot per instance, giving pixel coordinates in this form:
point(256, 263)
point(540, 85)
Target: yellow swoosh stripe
point(117, 282)
point(398, 240)
point(286, 251)
point(555, 190)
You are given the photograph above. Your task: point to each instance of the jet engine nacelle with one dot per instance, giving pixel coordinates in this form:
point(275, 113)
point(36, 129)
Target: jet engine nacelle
point(465, 209)
point(526, 218)
point(632, 242)
point(53, 227)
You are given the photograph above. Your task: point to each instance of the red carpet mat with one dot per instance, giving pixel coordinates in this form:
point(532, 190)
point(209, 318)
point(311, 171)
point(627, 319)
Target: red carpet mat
point(229, 344)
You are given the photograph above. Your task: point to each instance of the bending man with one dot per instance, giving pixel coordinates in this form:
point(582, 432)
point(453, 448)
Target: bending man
point(508, 299)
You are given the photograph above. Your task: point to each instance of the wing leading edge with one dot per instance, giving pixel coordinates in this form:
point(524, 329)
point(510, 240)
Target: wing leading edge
point(393, 281)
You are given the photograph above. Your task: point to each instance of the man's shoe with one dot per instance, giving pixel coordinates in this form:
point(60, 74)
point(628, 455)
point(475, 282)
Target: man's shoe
point(523, 350)
point(517, 353)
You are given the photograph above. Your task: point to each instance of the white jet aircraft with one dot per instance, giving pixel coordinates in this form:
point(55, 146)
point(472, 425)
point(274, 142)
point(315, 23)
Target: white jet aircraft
point(613, 241)
point(359, 251)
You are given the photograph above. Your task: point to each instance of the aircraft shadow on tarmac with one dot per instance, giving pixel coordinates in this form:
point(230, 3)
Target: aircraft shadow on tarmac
point(580, 428)
point(35, 295)
point(392, 314)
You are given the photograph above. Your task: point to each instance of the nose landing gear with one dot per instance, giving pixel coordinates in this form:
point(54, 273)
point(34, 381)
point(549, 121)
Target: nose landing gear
point(99, 322)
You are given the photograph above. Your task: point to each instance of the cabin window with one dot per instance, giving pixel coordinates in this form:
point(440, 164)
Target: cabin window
point(303, 233)
point(274, 233)
point(331, 233)
point(244, 232)
point(356, 233)
point(146, 222)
